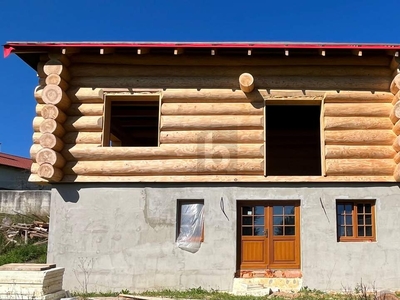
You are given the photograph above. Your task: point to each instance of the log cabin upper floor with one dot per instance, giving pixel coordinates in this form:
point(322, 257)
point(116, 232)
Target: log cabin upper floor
point(216, 112)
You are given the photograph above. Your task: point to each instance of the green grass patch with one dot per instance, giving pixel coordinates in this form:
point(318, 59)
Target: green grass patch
point(24, 253)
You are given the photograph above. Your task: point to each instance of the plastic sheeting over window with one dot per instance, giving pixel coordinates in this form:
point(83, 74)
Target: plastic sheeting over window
point(191, 226)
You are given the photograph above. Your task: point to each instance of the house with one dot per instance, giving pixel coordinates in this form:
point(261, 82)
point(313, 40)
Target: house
point(178, 165)
point(14, 172)
point(17, 194)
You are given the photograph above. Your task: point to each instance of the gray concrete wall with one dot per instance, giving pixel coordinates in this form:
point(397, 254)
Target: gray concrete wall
point(37, 202)
point(123, 236)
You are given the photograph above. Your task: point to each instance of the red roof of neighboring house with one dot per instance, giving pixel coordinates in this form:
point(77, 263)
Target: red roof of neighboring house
point(15, 161)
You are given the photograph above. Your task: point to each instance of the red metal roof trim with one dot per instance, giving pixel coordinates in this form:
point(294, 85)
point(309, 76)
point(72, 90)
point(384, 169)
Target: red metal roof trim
point(15, 161)
point(9, 47)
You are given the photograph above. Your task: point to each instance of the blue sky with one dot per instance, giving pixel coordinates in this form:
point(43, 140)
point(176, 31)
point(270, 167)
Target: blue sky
point(358, 21)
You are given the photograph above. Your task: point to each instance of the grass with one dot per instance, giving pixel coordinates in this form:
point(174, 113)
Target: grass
point(22, 253)
point(200, 293)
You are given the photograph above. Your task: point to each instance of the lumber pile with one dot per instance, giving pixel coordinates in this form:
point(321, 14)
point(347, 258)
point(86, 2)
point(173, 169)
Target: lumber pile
point(18, 233)
point(31, 281)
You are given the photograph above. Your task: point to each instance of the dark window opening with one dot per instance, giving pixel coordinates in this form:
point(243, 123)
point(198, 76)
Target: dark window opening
point(293, 141)
point(134, 123)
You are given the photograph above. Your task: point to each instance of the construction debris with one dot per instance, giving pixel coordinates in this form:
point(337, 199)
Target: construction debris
point(19, 233)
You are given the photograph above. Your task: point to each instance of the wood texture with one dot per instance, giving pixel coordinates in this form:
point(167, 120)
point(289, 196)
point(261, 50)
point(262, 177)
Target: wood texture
point(170, 151)
point(246, 82)
point(397, 158)
point(395, 84)
point(212, 136)
point(211, 109)
point(85, 109)
point(357, 109)
point(48, 140)
point(166, 167)
point(396, 144)
point(53, 94)
point(151, 59)
point(38, 93)
point(51, 126)
point(207, 95)
point(84, 124)
point(54, 66)
point(35, 148)
point(211, 122)
point(84, 94)
point(360, 152)
point(360, 137)
point(274, 82)
point(49, 156)
point(395, 113)
point(357, 97)
point(349, 123)
point(82, 138)
point(396, 98)
point(49, 111)
point(115, 70)
point(396, 173)
point(349, 167)
point(220, 178)
point(57, 80)
point(49, 172)
point(396, 128)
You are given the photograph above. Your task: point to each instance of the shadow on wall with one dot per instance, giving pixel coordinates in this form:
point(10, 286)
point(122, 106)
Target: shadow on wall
point(69, 194)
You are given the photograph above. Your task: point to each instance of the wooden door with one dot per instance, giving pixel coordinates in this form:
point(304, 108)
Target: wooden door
point(269, 235)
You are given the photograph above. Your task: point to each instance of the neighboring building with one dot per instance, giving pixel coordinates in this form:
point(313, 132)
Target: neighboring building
point(178, 165)
point(14, 172)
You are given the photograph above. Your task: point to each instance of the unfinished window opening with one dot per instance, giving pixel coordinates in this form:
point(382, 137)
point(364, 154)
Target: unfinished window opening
point(131, 121)
point(293, 141)
point(355, 221)
point(190, 224)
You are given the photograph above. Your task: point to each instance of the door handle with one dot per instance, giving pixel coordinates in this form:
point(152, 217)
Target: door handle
point(266, 232)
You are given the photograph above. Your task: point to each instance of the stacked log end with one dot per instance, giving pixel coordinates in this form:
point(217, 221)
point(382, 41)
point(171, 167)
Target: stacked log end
point(359, 134)
point(395, 118)
point(48, 125)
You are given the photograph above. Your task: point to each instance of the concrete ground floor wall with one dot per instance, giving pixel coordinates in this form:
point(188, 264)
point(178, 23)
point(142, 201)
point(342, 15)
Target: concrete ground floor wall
point(123, 236)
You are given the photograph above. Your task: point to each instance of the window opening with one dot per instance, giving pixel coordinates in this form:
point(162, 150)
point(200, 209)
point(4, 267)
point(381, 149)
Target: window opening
point(293, 141)
point(355, 221)
point(190, 229)
point(131, 121)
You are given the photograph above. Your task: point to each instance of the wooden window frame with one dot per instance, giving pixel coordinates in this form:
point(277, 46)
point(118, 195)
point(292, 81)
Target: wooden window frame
point(355, 237)
point(179, 215)
point(129, 97)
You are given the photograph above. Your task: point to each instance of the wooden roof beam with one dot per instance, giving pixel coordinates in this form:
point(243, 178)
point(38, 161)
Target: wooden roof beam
point(249, 52)
point(286, 52)
point(70, 50)
point(322, 52)
point(141, 51)
point(213, 51)
point(107, 50)
point(178, 51)
point(356, 52)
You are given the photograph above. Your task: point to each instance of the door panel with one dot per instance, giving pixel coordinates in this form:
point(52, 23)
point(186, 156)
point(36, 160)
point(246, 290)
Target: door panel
point(269, 234)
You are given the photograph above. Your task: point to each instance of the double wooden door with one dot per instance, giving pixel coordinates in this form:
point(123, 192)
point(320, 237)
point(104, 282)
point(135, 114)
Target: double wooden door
point(269, 235)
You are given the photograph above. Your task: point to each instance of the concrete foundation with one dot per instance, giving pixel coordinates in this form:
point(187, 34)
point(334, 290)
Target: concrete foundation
point(122, 236)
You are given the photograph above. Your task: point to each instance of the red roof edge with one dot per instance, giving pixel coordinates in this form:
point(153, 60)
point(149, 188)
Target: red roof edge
point(8, 50)
point(15, 161)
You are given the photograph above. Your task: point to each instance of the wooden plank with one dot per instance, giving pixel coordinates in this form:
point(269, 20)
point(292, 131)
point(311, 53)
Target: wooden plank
point(211, 109)
point(78, 152)
point(84, 124)
point(85, 109)
point(360, 167)
point(358, 110)
point(82, 138)
point(222, 178)
point(26, 267)
point(322, 137)
point(115, 70)
point(360, 137)
point(85, 95)
point(383, 61)
point(212, 136)
point(211, 122)
point(375, 83)
point(344, 151)
point(349, 123)
point(357, 97)
point(166, 167)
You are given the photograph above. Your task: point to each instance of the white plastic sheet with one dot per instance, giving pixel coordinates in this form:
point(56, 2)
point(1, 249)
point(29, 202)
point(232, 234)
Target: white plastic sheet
point(191, 227)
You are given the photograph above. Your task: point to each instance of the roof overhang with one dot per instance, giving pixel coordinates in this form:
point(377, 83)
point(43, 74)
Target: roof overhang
point(30, 51)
